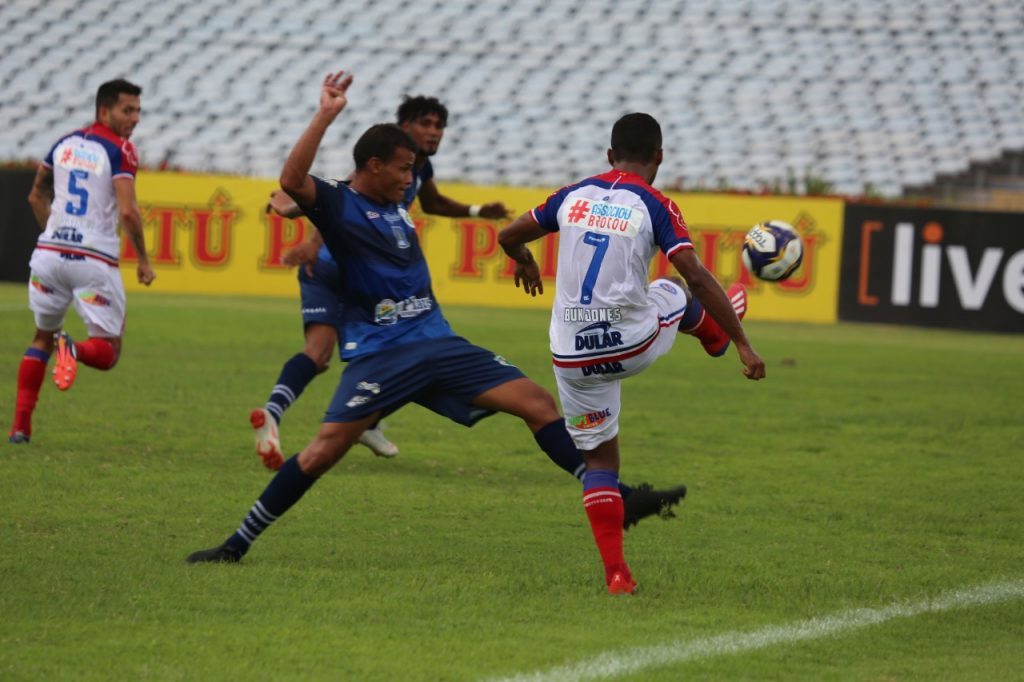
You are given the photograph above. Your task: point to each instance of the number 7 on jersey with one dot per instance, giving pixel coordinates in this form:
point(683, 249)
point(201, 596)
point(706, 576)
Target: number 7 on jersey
point(600, 243)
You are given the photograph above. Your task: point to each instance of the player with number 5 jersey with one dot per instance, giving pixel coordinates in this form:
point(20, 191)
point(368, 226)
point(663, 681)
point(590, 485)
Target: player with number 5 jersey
point(83, 188)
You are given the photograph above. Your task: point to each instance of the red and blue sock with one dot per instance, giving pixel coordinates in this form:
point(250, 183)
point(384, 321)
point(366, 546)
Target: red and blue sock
point(697, 322)
point(603, 504)
point(31, 373)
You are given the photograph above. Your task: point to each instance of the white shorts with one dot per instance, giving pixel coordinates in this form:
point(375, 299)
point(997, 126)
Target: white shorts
point(591, 396)
point(94, 286)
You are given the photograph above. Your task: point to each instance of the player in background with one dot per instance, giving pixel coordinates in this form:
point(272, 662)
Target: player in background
point(607, 322)
point(83, 187)
point(399, 347)
point(425, 119)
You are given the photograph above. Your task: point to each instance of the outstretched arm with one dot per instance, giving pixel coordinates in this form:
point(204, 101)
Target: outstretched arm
point(513, 240)
point(435, 203)
point(295, 179)
point(706, 288)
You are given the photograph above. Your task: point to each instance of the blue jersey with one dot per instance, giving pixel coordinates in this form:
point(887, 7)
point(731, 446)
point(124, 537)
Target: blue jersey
point(384, 282)
point(426, 172)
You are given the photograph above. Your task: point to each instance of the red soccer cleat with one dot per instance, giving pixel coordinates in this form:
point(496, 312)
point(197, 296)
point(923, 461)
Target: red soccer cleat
point(65, 369)
point(621, 583)
point(268, 444)
point(737, 294)
point(711, 336)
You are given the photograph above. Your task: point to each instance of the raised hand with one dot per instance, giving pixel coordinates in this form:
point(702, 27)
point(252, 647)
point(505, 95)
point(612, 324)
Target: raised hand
point(333, 93)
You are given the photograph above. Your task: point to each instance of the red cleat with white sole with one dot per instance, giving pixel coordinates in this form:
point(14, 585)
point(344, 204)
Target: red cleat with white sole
point(268, 443)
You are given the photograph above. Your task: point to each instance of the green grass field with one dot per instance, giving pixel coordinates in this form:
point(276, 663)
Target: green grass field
point(875, 466)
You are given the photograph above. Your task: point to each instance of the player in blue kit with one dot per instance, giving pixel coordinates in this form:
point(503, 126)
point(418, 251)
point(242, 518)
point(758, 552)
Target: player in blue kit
point(425, 119)
point(398, 345)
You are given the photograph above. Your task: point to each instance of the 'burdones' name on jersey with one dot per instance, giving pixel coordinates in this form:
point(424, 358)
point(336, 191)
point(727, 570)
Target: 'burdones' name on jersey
point(84, 214)
point(610, 225)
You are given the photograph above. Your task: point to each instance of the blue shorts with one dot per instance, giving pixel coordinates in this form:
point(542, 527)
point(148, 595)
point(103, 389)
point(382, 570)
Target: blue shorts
point(319, 295)
point(442, 375)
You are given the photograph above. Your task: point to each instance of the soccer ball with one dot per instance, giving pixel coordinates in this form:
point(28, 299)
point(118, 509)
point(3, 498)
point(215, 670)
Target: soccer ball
point(772, 250)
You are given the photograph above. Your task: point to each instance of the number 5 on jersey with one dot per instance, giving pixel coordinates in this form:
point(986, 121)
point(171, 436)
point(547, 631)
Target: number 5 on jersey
point(80, 192)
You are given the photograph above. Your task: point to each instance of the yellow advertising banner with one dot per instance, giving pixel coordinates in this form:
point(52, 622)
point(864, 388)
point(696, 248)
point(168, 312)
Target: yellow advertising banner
point(212, 234)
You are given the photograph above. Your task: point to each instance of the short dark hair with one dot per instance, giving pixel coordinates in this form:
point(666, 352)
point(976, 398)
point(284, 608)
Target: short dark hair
point(636, 137)
point(416, 107)
point(111, 91)
point(381, 141)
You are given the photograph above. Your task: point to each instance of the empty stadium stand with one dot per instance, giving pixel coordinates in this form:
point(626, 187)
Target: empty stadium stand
point(876, 96)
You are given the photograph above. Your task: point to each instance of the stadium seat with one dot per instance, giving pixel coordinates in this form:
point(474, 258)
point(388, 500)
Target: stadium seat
point(749, 92)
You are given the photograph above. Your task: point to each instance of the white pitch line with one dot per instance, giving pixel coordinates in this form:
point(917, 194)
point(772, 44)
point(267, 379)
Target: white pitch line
point(626, 661)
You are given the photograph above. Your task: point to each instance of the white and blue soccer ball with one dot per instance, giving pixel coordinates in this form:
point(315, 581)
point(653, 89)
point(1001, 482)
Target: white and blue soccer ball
point(772, 250)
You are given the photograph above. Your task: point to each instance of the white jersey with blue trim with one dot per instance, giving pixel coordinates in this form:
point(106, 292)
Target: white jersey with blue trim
point(609, 228)
point(84, 213)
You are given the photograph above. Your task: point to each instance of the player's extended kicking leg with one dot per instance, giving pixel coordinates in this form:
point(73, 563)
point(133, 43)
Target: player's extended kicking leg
point(289, 484)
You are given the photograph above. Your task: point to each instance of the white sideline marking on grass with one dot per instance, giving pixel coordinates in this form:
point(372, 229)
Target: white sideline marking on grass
point(625, 661)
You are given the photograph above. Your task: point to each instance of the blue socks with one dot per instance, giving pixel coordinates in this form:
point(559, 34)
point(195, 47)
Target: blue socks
point(295, 376)
point(692, 317)
point(284, 490)
point(557, 444)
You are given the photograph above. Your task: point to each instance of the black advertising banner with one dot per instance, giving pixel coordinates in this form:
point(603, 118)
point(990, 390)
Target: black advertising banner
point(933, 267)
point(18, 229)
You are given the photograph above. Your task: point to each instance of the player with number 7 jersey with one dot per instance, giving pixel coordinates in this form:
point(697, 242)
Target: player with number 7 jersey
point(608, 321)
point(84, 187)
